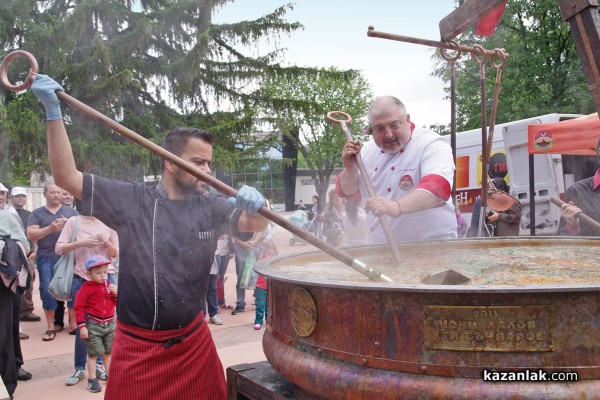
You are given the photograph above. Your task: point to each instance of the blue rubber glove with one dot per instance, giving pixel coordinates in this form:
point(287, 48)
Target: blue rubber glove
point(248, 199)
point(45, 89)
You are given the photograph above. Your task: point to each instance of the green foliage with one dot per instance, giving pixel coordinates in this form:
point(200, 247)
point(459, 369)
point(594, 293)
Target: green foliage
point(301, 163)
point(303, 101)
point(543, 72)
point(150, 65)
point(441, 129)
point(22, 140)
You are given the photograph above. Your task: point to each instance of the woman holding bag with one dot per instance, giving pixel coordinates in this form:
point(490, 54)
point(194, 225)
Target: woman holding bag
point(91, 238)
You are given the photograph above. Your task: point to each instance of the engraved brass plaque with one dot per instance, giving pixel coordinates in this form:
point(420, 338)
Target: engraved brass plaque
point(491, 328)
point(303, 312)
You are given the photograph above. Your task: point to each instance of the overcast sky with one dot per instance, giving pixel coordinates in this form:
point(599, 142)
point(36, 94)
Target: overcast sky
point(335, 34)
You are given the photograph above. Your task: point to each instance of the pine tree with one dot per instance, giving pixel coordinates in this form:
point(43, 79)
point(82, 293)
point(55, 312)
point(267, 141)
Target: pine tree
point(149, 64)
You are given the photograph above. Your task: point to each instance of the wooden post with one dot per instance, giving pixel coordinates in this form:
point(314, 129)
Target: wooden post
point(584, 19)
point(465, 16)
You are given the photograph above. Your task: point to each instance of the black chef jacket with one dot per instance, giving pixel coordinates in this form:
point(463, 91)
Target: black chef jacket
point(166, 247)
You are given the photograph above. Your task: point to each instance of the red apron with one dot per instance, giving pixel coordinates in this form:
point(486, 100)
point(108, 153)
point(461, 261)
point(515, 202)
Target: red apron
point(175, 364)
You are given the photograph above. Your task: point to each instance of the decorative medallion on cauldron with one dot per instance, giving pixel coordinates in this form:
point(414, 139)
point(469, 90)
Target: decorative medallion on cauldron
point(303, 311)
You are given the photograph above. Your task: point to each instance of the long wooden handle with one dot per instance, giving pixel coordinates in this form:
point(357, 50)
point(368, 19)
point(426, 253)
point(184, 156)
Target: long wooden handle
point(363, 172)
point(198, 173)
point(589, 221)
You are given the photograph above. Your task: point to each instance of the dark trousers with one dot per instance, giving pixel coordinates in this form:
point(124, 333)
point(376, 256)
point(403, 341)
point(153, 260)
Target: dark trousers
point(8, 366)
point(27, 298)
point(240, 259)
point(212, 298)
point(59, 314)
point(16, 308)
point(223, 262)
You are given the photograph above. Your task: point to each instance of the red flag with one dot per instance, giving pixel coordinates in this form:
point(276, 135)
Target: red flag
point(487, 25)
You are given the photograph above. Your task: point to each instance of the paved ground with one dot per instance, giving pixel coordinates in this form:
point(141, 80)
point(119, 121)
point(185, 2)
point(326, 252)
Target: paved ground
point(52, 362)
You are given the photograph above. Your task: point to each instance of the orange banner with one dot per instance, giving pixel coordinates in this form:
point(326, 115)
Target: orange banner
point(575, 136)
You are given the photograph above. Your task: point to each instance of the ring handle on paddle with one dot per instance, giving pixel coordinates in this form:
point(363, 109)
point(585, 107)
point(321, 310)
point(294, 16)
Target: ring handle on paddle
point(347, 119)
point(6, 63)
point(332, 114)
point(452, 64)
point(501, 54)
point(455, 47)
point(338, 254)
point(363, 171)
point(478, 51)
point(498, 53)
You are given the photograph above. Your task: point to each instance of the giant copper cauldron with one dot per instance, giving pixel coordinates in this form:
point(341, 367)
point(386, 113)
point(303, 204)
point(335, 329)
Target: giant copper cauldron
point(531, 304)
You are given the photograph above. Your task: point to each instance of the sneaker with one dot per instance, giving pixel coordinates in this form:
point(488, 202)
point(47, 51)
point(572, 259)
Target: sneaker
point(74, 379)
point(257, 327)
point(215, 320)
point(23, 375)
point(28, 316)
point(225, 305)
point(100, 372)
point(94, 386)
point(237, 310)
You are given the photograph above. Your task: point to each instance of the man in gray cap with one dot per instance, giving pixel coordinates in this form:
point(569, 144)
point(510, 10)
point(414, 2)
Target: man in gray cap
point(19, 199)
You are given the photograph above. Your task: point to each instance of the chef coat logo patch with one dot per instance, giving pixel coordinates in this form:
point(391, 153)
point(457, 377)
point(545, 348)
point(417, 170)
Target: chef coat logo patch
point(406, 182)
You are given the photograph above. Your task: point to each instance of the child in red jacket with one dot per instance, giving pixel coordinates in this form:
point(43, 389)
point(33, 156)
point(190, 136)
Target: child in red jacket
point(95, 312)
point(268, 250)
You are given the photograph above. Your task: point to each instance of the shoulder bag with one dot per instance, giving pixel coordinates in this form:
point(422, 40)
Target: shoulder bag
point(62, 280)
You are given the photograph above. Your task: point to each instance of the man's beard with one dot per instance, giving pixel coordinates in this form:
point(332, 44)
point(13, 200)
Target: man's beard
point(391, 150)
point(189, 188)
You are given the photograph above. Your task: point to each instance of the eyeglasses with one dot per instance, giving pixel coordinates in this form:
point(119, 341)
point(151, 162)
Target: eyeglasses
point(393, 126)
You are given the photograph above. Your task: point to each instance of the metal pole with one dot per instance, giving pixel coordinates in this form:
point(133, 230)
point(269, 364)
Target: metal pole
point(426, 42)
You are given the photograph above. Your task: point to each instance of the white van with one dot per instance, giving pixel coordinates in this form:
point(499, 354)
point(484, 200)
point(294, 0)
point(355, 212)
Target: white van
point(510, 160)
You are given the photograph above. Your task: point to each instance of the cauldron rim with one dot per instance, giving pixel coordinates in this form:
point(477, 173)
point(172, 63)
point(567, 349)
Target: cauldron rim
point(263, 268)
